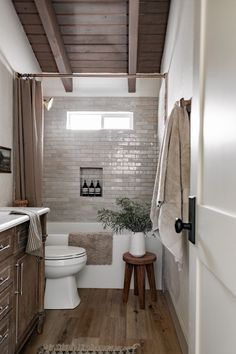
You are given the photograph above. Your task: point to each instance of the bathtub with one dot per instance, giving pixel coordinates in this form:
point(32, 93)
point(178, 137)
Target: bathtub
point(103, 276)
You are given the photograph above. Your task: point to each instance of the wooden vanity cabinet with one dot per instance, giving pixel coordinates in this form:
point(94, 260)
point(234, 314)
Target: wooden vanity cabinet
point(26, 295)
point(22, 280)
point(7, 324)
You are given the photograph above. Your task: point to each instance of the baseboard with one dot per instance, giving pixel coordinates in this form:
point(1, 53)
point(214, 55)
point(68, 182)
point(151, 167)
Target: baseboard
point(179, 331)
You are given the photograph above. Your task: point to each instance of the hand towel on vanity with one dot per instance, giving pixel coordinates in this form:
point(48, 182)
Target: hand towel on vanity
point(171, 190)
point(34, 243)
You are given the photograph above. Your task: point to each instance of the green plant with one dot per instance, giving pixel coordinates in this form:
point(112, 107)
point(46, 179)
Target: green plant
point(131, 215)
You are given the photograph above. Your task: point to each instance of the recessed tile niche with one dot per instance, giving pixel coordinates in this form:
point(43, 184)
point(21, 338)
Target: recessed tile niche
point(91, 182)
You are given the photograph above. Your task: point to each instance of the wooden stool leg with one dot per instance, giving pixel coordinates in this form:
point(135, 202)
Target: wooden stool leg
point(141, 285)
point(128, 275)
point(135, 281)
point(152, 282)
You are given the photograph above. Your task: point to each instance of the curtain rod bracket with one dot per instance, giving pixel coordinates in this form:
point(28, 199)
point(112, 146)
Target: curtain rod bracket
point(24, 76)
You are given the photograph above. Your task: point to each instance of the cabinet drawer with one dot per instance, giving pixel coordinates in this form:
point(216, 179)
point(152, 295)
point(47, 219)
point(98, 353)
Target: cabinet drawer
point(6, 334)
point(6, 301)
point(6, 244)
point(6, 274)
point(21, 236)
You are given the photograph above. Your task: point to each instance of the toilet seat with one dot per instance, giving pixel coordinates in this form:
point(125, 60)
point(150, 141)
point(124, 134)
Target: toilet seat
point(56, 253)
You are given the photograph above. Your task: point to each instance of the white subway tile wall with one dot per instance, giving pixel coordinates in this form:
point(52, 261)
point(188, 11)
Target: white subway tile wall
point(128, 158)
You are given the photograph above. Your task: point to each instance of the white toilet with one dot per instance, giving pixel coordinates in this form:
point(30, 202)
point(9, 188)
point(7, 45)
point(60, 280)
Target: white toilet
point(62, 264)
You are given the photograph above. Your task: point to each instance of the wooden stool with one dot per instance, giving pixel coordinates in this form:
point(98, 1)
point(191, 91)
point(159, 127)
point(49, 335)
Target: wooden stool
point(139, 264)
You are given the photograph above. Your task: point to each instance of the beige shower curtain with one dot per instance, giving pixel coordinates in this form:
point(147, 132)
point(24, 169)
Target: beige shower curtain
point(28, 140)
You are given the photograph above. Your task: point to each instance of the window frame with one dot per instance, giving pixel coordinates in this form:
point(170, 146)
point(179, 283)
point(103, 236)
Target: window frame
point(103, 115)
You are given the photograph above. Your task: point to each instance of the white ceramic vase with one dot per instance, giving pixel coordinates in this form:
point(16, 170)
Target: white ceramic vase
point(137, 244)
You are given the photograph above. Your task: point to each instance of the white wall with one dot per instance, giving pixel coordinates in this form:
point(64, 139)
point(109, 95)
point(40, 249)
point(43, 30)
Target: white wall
point(178, 53)
point(178, 62)
point(14, 44)
point(102, 87)
point(15, 55)
point(6, 108)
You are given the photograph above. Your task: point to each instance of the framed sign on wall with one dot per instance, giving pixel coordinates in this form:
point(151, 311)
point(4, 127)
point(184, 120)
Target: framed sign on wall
point(5, 160)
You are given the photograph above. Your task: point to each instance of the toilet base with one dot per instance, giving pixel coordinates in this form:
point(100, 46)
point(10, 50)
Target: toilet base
point(61, 293)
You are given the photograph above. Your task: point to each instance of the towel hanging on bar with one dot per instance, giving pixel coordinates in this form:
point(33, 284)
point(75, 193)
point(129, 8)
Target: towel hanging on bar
point(171, 190)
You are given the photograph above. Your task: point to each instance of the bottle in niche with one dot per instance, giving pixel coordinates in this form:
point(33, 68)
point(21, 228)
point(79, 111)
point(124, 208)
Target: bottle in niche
point(91, 189)
point(85, 189)
point(98, 190)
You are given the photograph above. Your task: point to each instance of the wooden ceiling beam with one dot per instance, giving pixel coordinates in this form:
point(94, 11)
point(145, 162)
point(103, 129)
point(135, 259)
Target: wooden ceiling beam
point(49, 21)
point(133, 42)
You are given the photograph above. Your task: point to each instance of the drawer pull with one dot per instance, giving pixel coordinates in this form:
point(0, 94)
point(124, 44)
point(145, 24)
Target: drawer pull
point(3, 309)
point(21, 271)
point(3, 280)
point(4, 336)
point(3, 248)
point(21, 278)
point(17, 279)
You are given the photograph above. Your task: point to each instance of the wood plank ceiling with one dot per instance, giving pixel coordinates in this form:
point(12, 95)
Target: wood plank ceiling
point(95, 36)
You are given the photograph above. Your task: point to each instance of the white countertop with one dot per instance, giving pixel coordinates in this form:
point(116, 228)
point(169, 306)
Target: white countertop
point(10, 220)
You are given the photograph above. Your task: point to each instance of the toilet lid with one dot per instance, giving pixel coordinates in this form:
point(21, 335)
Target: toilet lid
point(64, 252)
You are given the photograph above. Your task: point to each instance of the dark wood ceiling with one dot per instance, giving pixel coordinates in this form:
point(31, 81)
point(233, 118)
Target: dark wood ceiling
point(95, 33)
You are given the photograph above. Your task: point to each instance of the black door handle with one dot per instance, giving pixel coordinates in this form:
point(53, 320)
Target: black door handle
point(180, 226)
point(190, 226)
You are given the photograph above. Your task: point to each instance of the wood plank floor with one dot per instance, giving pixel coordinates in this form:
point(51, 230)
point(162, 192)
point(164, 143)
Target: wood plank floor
point(102, 318)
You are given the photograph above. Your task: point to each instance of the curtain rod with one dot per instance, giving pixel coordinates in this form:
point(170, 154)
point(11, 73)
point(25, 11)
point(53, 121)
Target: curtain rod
point(58, 75)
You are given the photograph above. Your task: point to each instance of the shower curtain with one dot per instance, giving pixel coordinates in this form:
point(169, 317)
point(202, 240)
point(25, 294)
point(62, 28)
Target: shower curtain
point(28, 140)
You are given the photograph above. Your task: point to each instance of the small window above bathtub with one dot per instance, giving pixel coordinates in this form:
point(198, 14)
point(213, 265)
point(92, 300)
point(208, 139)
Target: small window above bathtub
point(85, 120)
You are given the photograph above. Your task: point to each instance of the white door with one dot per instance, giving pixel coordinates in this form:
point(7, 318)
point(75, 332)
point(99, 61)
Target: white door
point(212, 328)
